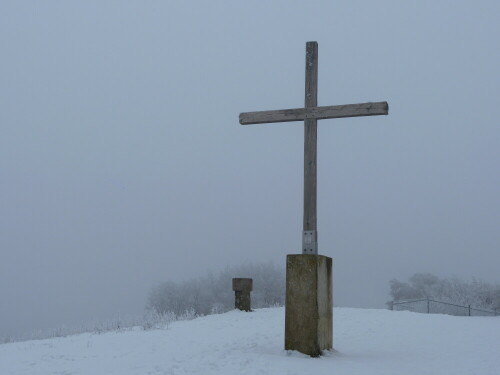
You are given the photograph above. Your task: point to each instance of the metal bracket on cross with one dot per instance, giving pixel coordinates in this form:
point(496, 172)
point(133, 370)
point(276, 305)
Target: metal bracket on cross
point(310, 242)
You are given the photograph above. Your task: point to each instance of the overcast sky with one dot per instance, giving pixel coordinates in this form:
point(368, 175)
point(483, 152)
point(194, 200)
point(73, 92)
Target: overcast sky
point(122, 162)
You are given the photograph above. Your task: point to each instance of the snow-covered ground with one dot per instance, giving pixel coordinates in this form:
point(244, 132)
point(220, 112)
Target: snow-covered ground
point(365, 341)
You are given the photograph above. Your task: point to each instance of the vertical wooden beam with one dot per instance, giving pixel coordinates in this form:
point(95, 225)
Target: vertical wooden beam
point(310, 237)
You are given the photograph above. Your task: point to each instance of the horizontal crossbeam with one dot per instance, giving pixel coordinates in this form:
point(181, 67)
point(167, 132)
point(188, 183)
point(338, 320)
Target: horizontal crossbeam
point(300, 114)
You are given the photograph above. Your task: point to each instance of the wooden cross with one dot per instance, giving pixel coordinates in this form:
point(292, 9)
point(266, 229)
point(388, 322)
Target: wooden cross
point(310, 114)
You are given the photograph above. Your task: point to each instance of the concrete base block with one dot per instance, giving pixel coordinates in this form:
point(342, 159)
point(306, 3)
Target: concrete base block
point(309, 303)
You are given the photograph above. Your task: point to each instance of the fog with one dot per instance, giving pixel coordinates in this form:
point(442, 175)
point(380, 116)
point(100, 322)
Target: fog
point(122, 162)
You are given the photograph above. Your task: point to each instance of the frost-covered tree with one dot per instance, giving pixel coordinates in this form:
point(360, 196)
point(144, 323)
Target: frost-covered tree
point(213, 293)
point(424, 285)
point(400, 290)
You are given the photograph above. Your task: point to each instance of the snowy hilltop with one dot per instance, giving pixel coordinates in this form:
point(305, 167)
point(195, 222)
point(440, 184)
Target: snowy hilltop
point(366, 342)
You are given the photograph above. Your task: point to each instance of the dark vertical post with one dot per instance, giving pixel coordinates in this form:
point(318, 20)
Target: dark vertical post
point(310, 234)
point(428, 306)
point(242, 288)
point(469, 310)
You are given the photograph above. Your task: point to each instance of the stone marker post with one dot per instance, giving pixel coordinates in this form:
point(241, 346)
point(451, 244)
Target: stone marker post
point(242, 288)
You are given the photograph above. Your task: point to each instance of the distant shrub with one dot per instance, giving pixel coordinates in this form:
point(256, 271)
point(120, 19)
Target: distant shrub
point(155, 320)
point(213, 293)
point(425, 285)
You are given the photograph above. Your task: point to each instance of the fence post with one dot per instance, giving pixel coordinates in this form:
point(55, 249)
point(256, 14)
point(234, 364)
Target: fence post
point(469, 310)
point(428, 306)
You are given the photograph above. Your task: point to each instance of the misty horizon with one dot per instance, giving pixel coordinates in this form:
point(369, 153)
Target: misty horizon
point(123, 163)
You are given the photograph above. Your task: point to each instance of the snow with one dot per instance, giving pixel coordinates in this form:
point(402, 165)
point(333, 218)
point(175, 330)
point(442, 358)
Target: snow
point(366, 342)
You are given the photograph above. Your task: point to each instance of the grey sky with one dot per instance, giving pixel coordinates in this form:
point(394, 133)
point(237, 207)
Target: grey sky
point(122, 163)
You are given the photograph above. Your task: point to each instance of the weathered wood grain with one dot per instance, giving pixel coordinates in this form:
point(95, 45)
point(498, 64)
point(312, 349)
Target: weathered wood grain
point(310, 114)
point(325, 112)
point(310, 141)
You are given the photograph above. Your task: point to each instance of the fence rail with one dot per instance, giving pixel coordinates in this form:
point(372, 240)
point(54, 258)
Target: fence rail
point(430, 306)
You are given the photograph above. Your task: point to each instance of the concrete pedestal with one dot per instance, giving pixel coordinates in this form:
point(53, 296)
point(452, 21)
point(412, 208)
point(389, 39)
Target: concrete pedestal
point(309, 303)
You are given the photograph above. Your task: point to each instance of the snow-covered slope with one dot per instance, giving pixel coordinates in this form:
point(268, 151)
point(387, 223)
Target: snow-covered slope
point(366, 342)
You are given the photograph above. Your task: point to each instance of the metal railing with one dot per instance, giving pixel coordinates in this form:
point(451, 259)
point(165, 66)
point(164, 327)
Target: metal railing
point(430, 306)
